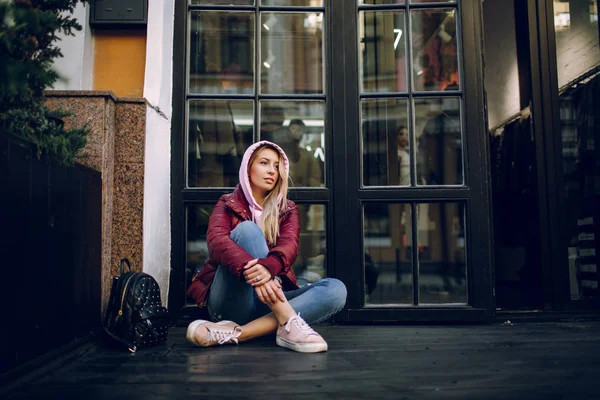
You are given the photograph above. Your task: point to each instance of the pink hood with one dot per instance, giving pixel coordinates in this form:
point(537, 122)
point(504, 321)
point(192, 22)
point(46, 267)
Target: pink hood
point(255, 208)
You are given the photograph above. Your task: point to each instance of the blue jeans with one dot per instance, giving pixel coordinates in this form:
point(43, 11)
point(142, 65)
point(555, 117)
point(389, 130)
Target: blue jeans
point(232, 299)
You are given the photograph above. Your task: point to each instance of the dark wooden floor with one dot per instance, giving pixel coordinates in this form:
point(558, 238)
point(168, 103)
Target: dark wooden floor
point(548, 360)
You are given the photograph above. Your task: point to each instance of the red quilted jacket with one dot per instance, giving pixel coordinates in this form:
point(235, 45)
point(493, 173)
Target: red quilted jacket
point(230, 210)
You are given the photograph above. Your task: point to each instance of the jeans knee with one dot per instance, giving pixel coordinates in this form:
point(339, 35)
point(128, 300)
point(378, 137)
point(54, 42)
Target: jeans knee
point(246, 228)
point(337, 293)
point(248, 236)
point(245, 232)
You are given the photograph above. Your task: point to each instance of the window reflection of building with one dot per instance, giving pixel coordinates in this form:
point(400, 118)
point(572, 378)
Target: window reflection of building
point(382, 120)
point(213, 157)
point(221, 61)
point(383, 51)
point(388, 254)
point(440, 246)
point(577, 39)
point(292, 53)
point(221, 57)
point(442, 262)
point(578, 64)
point(579, 114)
point(435, 44)
point(439, 149)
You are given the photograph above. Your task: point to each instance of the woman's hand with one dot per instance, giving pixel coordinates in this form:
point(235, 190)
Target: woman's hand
point(270, 293)
point(256, 274)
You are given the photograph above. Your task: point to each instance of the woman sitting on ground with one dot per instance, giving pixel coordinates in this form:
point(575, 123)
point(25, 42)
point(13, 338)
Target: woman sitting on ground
point(248, 284)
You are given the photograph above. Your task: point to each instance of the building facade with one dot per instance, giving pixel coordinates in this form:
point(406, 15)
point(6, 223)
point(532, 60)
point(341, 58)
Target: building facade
point(442, 152)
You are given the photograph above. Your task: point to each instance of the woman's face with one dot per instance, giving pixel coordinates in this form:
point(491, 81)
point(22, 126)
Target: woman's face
point(296, 131)
point(403, 137)
point(264, 171)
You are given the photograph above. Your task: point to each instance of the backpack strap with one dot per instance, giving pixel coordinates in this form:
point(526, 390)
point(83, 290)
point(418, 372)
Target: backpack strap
point(124, 262)
point(130, 346)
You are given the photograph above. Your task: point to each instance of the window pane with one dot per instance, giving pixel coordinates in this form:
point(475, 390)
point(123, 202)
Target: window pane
point(293, 3)
point(291, 53)
point(219, 132)
point(442, 263)
point(382, 51)
point(196, 246)
point(221, 53)
point(576, 27)
point(298, 127)
point(311, 264)
point(435, 58)
point(578, 59)
point(439, 142)
point(387, 254)
point(385, 139)
point(222, 2)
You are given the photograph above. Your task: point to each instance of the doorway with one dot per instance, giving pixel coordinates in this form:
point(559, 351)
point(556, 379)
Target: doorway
point(513, 156)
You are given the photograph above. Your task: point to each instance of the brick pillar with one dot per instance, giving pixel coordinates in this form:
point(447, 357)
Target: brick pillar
point(116, 149)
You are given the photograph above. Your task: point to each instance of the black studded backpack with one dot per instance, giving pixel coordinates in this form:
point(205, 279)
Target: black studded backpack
point(135, 317)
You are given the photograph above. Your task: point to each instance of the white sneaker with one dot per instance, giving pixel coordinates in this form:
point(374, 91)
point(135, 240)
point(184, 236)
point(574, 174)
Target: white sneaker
point(298, 336)
point(205, 333)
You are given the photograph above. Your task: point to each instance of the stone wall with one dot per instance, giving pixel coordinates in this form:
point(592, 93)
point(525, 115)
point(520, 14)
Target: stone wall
point(116, 149)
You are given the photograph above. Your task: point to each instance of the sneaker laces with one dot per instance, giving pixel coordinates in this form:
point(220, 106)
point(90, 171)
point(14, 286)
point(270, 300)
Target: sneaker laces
point(222, 336)
point(300, 324)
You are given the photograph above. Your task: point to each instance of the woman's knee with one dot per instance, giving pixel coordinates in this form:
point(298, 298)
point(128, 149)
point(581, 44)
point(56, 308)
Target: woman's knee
point(336, 292)
point(248, 236)
point(245, 229)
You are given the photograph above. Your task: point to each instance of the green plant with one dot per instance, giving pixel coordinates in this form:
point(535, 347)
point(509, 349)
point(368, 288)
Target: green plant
point(28, 46)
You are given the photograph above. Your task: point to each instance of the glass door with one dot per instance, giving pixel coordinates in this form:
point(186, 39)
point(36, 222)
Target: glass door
point(417, 211)
point(385, 135)
point(575, 89)
point(253, 70)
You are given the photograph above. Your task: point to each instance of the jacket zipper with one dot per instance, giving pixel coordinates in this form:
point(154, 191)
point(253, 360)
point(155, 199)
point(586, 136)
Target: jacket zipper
point(123, 299)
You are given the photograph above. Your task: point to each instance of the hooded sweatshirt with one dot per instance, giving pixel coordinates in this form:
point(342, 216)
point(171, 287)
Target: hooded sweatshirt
point(255, 208)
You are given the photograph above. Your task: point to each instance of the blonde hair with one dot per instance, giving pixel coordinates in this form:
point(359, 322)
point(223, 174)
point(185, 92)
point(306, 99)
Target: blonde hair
point(276, 200)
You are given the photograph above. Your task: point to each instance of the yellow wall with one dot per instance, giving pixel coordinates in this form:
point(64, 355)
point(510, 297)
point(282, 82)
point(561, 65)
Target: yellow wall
point(120, 61)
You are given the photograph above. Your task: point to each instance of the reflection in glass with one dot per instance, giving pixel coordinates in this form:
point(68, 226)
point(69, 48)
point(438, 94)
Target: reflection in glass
point(439, 142)
point(311, 264)
point(382, 51)
point(292, 3)
point(387, 254)
point(223, 2)
point(297, 126)
point(291, 53)
point(442, 262)
point(219, 132)
point(196, 246)
point(576, 26)
point(578, 62)
point(435, 61)
point(221, 52)
point(385, 142)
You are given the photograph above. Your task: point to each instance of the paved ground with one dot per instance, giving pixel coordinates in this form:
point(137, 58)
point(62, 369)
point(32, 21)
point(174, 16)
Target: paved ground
point(546, 360)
